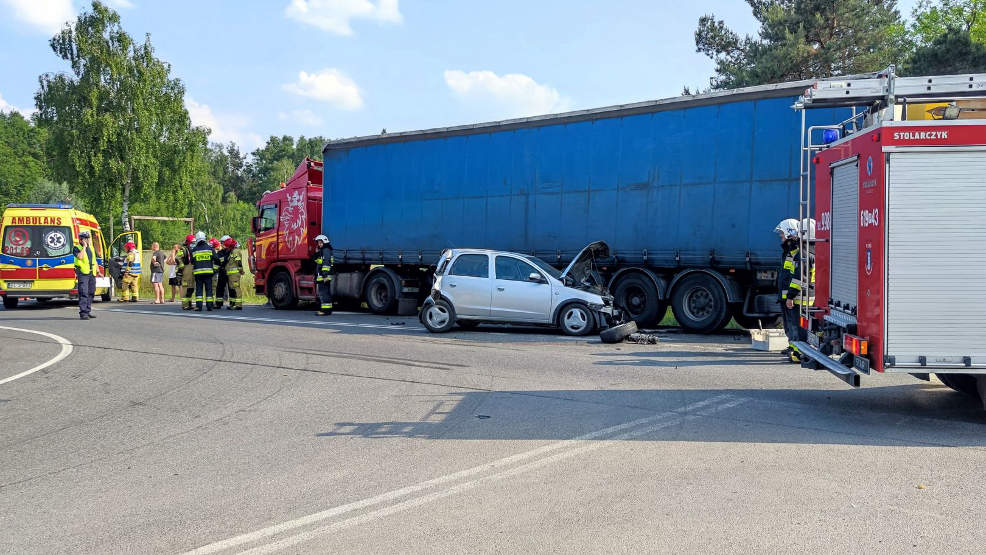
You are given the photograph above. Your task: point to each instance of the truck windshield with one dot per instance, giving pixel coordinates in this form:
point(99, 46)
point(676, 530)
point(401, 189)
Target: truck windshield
point(551, 271)
point(37, 241)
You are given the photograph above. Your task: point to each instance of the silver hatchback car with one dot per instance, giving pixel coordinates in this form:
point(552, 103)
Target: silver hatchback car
point(474, 286)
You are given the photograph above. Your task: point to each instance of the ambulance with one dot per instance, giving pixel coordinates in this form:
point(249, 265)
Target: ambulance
point(36, 260)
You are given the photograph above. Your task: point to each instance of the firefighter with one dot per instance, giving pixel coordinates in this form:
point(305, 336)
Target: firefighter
point(216, 246)
point(323, 274)
point(187, 274)
point(231, 268)
point(130, 274)
point(219, 283)
point(794, 293)
point(203, 263)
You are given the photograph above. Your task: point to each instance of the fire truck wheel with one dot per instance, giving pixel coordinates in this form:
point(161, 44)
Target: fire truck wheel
point(281, 293)
point(9, 302)
point(699, 304)
point(963, 383)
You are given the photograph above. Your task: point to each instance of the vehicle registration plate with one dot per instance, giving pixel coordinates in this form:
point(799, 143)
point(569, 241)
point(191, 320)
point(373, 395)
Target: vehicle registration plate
point(18, 285)
point(102, 282)
point(766, 275)
point(861, 364)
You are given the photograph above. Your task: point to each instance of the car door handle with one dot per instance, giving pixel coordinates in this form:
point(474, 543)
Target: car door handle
point(451, 285)
point(499, 289)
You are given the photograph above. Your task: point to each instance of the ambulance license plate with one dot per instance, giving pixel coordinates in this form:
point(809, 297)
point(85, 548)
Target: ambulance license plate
point(102, 282)
point(19, 284)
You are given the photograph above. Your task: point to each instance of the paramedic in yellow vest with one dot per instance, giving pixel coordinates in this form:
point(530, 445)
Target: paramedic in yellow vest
point(231, 268)
point(86, 269)
point(131, 273)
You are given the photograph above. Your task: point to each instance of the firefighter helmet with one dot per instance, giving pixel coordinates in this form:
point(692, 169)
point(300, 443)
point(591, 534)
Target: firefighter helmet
point(789, 228)
point(189, 238)
point(229, 242)
point(807, 229)
point(223, 239)
point(322, 238)
point(214, 242)
point(130, 246)
point(200, 236)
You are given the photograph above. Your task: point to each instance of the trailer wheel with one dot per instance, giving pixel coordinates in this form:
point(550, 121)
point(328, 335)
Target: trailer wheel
point(9, 303)
point(963, 383)
point(699, 304)
point(381, 294)
point(281, 292)
point(637, 295)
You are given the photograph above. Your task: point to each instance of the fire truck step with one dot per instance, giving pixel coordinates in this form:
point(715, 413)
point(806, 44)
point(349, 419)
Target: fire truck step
point(840, 371)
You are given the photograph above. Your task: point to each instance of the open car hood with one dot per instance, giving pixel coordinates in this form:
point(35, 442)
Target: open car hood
point(583, 270)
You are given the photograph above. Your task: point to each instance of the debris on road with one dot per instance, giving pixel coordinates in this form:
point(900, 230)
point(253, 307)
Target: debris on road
point(642, 338)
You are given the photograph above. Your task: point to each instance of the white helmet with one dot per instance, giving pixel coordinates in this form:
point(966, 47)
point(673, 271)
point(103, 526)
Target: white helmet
point(789, 228)
point(807, 227)
point(223, 238)
point(321, 238)
point(200, 236)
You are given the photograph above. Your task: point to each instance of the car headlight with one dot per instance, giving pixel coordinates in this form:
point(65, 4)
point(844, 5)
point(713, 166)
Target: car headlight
point(596, 306)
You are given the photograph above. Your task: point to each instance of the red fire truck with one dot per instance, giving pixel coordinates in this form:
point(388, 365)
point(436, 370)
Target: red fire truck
point(898, 194)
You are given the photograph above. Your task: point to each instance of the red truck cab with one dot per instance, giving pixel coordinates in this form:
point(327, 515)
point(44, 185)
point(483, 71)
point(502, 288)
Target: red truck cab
point(282, 245)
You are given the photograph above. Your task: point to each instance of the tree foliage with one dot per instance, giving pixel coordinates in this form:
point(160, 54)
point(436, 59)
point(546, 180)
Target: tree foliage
point(803, 39)
point(952, 52)
point(22, 163)
point(934, 19)
point(118, 128)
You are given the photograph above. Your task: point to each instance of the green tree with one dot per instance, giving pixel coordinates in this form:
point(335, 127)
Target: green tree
point(803, 39)
point(934, 19)
point(118, 128)
point(228, 166)
point(50, 192)
point(949, 53)
point(22, 164)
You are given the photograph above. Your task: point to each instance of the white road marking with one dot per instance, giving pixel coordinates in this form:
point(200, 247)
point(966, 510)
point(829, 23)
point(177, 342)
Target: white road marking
point(501, 467)
point(272, 320)
point(66, 351)
point(304, 537)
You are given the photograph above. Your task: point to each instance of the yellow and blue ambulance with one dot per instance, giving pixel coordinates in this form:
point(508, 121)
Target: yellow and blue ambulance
point(36, 260)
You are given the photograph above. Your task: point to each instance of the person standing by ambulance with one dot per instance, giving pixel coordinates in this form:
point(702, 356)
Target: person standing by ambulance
point(203, 266)
point(131, 273)
point(85, 273)
point(323, 274)
point(794, 292)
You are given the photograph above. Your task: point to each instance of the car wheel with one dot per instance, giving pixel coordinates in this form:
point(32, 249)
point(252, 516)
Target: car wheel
point(381, 294)
point(963, 383)
point(438, 317)
point(576, 319)
point(618, 333)
point(9, 302)
point(281, 292)
point(468, 324)
point(699, 304)
point(637, 295)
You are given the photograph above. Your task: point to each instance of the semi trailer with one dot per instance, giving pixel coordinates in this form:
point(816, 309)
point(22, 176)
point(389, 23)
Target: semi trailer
point(686, 191)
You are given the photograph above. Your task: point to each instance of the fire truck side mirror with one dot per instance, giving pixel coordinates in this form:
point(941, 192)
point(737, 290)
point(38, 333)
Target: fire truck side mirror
point(255, 224)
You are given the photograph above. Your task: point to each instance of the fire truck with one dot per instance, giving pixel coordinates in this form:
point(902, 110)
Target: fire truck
point(898, 197)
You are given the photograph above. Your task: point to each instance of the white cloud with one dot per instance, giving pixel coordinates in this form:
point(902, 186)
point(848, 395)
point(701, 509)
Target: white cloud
point(46, 15)
point(304, 117)
point(224, 127)
point(8, 107)
point(515, 94)
point(334, 15)
point(120, 4)
point(329, 85)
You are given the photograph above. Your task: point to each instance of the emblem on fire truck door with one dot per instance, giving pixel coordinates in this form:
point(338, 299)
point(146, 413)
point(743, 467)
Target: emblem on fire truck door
point(869, 259)
point(869, 165)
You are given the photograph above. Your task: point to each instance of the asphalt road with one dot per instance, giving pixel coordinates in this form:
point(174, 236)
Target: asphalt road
point(266, 431)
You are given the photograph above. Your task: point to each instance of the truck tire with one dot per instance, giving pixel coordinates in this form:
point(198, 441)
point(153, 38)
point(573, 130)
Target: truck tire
point(281, 292)
point(381, 294)
point(963, 383)
point(618, 333)
point(576, 319)
point(637, 295)
point(699, 304)
point(438, 317)
point(9, 303)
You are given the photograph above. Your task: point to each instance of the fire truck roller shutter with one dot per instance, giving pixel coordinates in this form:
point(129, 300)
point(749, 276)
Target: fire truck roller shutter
point(936, 257)
point(845, 234)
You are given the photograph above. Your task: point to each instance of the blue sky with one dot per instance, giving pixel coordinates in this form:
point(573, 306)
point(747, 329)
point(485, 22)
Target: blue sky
point(341, 68)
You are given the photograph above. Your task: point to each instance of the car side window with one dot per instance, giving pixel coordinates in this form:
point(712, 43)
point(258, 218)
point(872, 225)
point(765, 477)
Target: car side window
point(511, 269)
point(471, 265)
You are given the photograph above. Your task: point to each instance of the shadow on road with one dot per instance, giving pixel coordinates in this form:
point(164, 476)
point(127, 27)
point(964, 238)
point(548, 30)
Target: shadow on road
point(902, 415)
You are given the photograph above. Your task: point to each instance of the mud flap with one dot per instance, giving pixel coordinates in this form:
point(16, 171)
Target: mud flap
point(407, 306)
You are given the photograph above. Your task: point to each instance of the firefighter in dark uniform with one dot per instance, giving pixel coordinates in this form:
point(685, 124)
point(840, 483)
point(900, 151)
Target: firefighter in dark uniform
point(794, 292)
point(203, 262)
point(230, 270)
point(323, 274)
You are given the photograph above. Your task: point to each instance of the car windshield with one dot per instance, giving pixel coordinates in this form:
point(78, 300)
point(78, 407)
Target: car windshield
point(544, 266)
